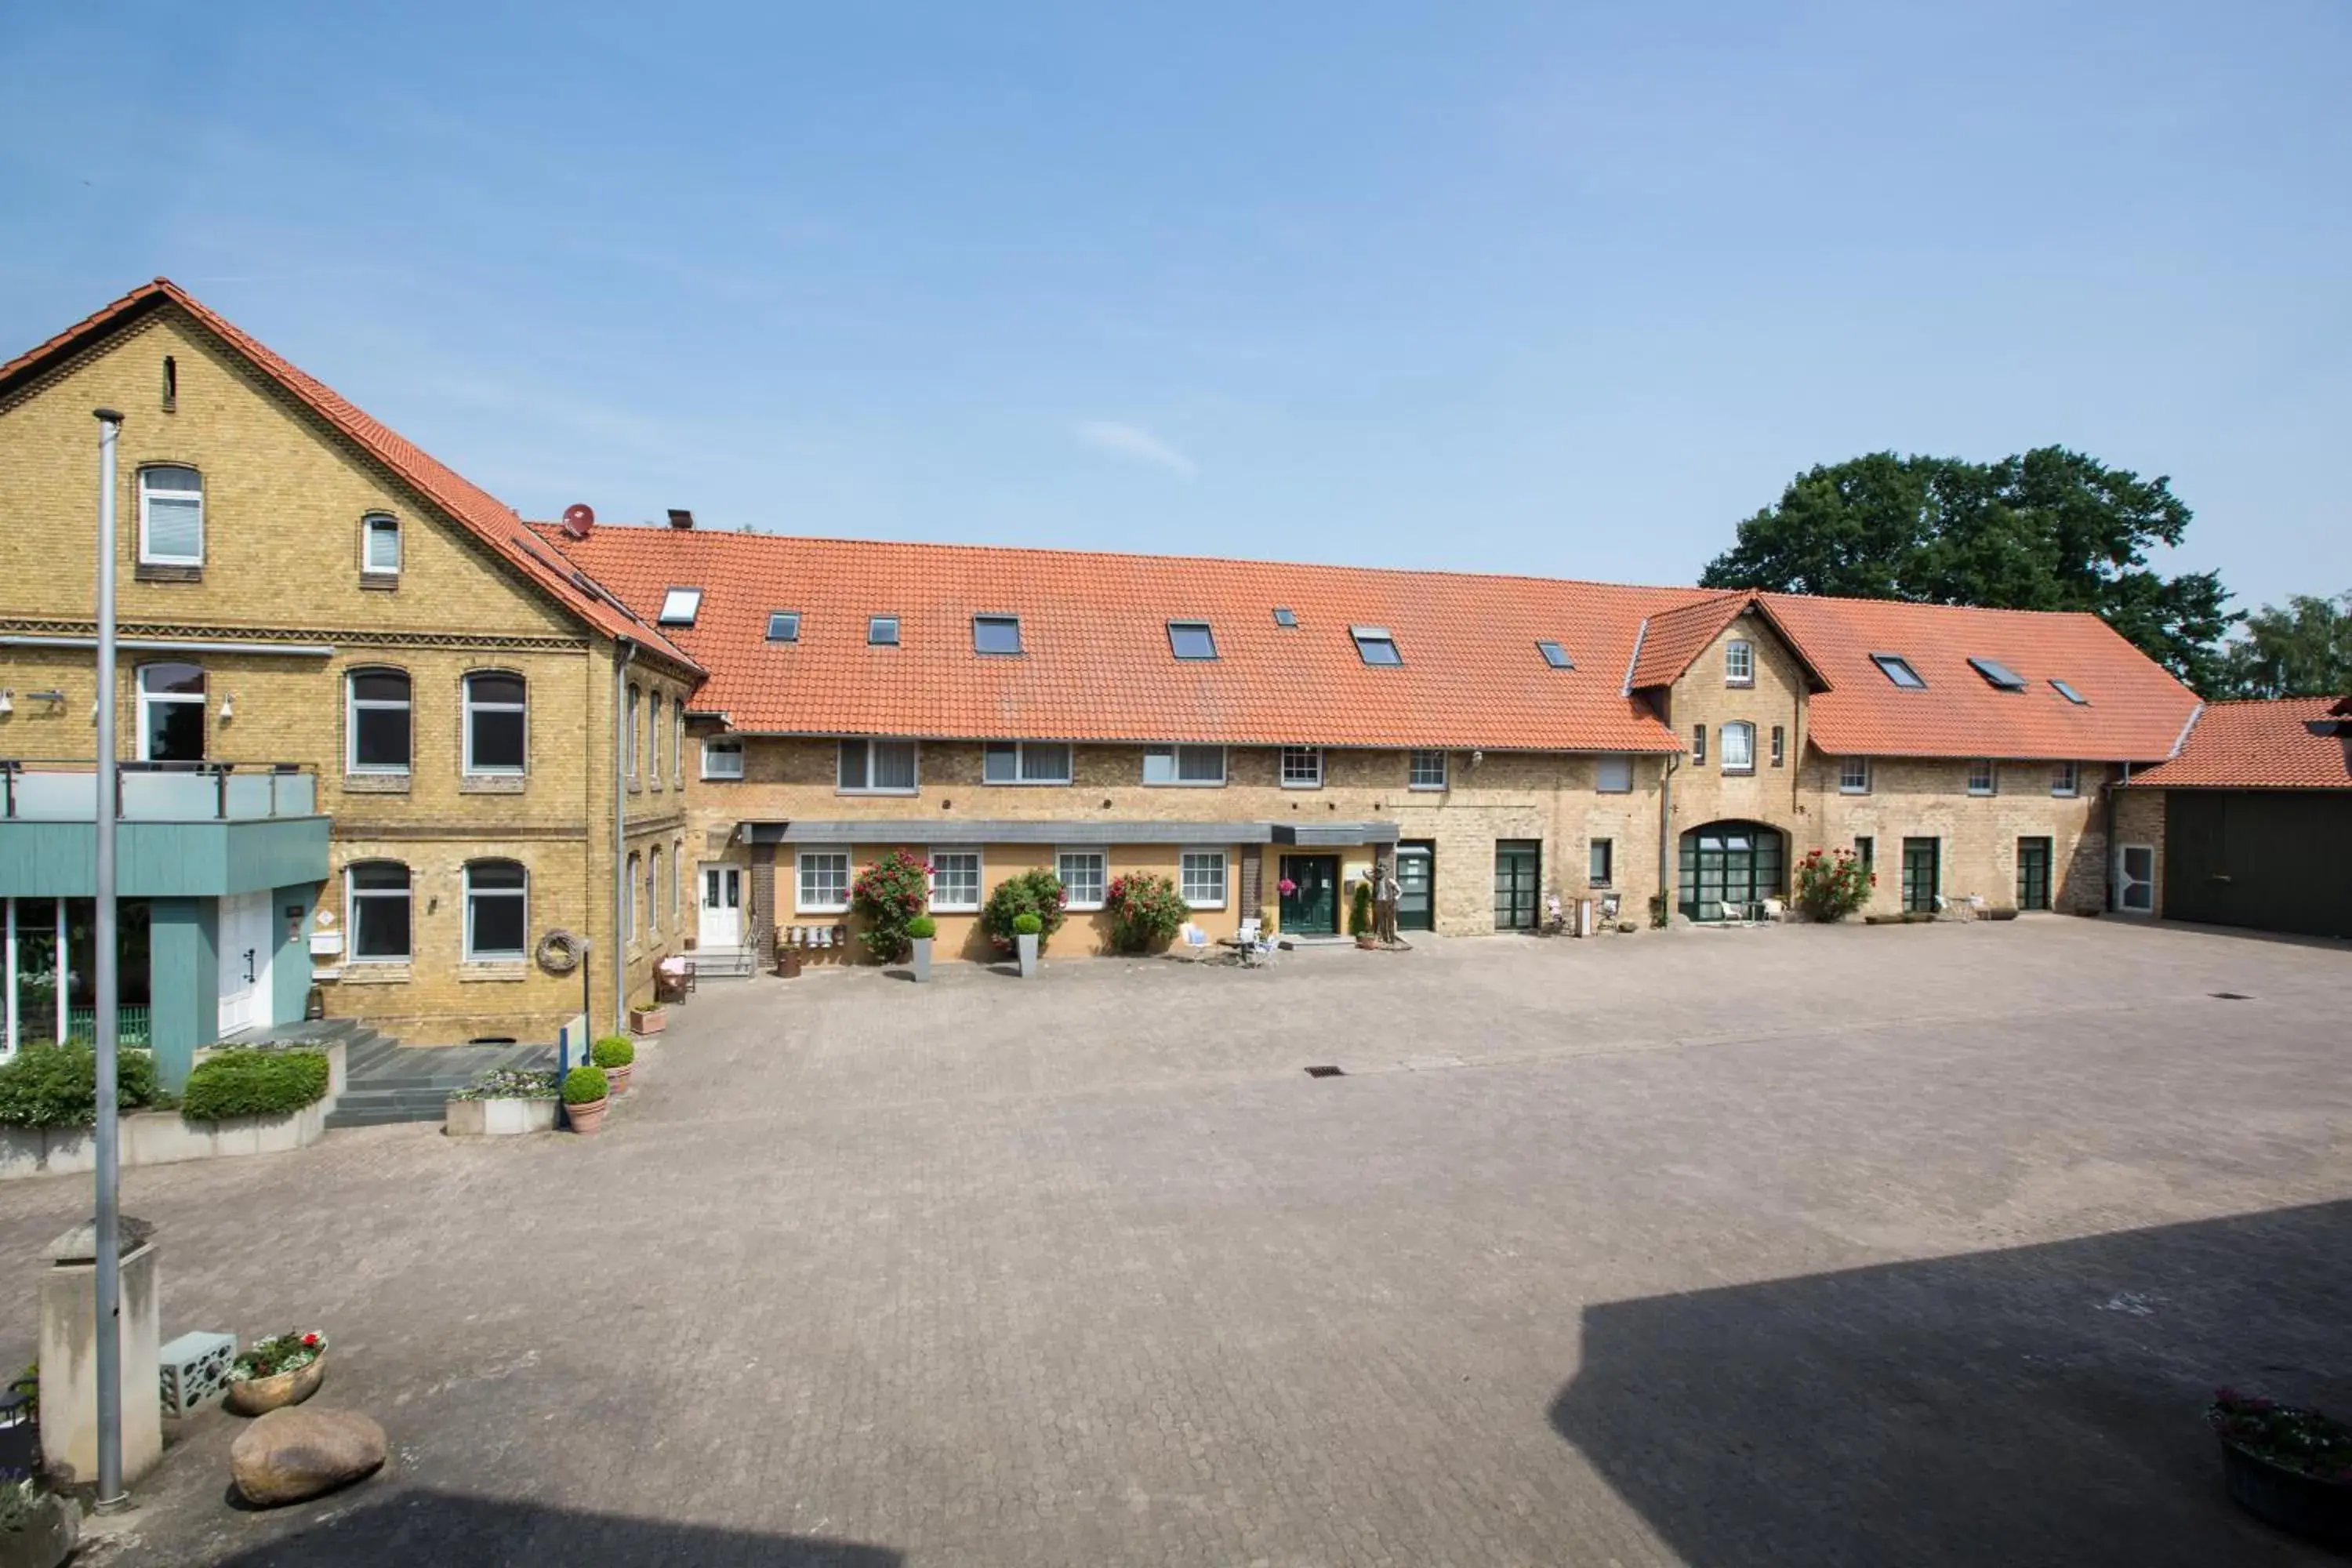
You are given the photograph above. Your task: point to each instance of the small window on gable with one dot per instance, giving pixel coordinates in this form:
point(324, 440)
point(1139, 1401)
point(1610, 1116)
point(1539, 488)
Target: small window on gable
point(1554, 655)
point(382, 543)
point(1191, 639)
point(171, 384)
point(1897, 669)
point(1739, 662)
point(1375, 645)
point(171, 516)
point(1284, 617)
point(996, 633)
point(680, 605)
point(2066, 691)
point(882, 631)
point(1998, 675)
point(783, 625)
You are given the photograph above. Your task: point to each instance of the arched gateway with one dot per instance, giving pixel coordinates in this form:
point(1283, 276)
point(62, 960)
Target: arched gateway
point(1727, 867)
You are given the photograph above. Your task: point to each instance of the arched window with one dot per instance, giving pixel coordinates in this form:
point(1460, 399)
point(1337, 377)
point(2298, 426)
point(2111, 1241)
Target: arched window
point(1739, 748)
point(654, 739)
point(495, 739)
point(498, 911)
point(629, 900)
point(677, 859)
point(378, 722)
point(653, 892)
point(677, 742)
point(171, 713)
point(637, 703)
point(379, 545)
point(376, 908)
point(171, 516)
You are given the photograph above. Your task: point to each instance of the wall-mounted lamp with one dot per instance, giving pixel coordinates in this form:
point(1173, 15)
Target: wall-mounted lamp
point(229, 706)
point(7, 702)
point(1477, 758)
point(54, 698)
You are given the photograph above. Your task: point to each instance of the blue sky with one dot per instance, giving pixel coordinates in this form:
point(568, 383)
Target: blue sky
point(1555, 289)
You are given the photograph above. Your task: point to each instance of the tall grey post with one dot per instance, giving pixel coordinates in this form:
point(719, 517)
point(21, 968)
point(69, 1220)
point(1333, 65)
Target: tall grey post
point(108, 1240)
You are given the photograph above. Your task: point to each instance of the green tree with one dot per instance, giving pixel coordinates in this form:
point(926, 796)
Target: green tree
point(2303, 649)
point(2049, 530)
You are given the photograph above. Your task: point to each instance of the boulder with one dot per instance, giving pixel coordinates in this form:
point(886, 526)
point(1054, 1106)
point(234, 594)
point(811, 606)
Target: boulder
point(302, 1451)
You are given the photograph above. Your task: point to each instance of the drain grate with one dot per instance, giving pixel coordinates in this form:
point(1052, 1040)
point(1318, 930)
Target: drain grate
point(2229, 996)
point(1327, 1071)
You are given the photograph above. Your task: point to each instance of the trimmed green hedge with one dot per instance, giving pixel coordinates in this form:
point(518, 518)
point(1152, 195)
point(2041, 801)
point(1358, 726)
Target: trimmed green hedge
point(56, 1086)
point(254, 1083)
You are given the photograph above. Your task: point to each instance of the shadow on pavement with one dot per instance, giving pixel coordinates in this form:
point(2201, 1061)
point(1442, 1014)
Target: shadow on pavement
point(2042, 1405)
point(447, 1530)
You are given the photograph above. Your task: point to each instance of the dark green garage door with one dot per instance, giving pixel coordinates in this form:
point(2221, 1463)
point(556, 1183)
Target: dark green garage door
point(2272, 859)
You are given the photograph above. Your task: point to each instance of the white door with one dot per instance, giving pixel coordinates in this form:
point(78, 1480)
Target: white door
point(2136, 879)
point(245, 948)
point(721, 923)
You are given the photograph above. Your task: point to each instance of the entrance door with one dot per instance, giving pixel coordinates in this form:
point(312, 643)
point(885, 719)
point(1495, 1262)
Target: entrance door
point(1728, 869)
point(2033, 873)
point(244, 952)
point(2136, 879)
point(1922, 874)
point(720, 923)
point(1416, 875)
point(1519, 882)
point(1312, 906)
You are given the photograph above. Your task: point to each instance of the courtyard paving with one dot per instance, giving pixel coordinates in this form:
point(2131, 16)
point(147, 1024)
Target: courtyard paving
point(1916, 1244)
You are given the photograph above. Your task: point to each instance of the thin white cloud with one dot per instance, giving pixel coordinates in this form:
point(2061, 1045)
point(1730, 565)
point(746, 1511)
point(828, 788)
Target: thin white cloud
point(1134, 441)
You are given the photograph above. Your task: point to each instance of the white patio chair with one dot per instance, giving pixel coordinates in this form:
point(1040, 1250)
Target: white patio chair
point(1250, 941)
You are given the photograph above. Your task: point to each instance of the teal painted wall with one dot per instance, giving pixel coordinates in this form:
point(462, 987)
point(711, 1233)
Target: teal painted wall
point(184, 982)
point(289, 966)
point(162, 860)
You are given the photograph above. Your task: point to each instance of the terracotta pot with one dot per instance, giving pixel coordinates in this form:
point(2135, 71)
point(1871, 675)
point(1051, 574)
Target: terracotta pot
point(588, 1117)
point(617, 1078)
point(647, 1020)
point(253, 1396)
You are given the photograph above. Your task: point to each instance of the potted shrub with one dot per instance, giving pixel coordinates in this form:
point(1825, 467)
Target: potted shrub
point(2287, 1465)
point(585, 1096)
point(886, 896)
point(920, 931)
point(1028, 930)
point(1832, 887)
point(284, 1369)
point(1146, 912)
point(38, 1529)
point(617, 1055)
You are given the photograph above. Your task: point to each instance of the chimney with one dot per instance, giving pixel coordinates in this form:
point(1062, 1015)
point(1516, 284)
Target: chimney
point(681, 518)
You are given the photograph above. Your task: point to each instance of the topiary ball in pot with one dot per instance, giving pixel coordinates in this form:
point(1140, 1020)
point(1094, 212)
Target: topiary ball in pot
point(585, 1098)
point(1026, 923)
point(922, 928)
point(616, 1055)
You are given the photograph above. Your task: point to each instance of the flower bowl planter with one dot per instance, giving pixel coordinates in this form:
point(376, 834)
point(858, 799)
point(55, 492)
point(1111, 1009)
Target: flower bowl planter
point(252, 1395)
point(2299, 1504)
point(587, 1119)
point(1026, 944)
point(648, 1020)
point(922, 962)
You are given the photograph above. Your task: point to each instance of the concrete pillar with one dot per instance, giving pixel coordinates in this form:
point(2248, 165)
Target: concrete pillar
point(762, 913)
point(1253, 898)
point(184, 984)
point(69, 1353)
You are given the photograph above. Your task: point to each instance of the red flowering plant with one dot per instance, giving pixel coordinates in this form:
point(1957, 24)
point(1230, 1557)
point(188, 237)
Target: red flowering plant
point(886, 896)
point(2287, 1436)
point(1832, 887)
point(1146, 912)
point(289, 1352)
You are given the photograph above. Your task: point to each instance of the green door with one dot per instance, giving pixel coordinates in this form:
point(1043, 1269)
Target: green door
point(2033, 873)
point(1312, 906)
point(1417, 877)
point(1922, 874)
point(1518, 880)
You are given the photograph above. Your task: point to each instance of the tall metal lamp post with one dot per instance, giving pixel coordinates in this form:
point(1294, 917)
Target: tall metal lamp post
point(109, 1246)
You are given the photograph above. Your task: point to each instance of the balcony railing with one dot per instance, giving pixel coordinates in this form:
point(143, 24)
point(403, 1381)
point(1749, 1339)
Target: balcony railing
point(158, 791)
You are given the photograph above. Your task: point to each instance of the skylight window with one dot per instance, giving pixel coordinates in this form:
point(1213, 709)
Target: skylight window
point(1191, 639)
point(2070, 694)
point(783, 625)
point(1284, 617)
point(996, 633)
point(1374, 644)
point(1555, 654)
point(882, 631)
point(1997, 674)
point(1897, 669)
point(680, 605)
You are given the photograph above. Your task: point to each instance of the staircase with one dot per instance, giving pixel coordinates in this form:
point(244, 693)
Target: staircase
point(725, 963)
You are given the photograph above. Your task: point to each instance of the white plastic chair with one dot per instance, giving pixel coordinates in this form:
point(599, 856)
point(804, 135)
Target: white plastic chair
point(1250, 941)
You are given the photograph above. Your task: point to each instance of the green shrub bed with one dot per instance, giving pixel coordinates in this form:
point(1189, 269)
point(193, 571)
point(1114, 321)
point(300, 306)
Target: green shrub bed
point(254, 1083)
point(56, 1086)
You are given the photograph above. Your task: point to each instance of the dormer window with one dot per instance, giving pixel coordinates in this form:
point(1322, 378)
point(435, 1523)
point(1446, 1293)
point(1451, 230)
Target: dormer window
point(1897, 669)
point(1739, 662)
point(680, 605)
point(1554, 655)
point(1375, 645)
point(1998, 675)
point(996, 633)
point(783, 625)
point(1191, 639)
point(882, 631)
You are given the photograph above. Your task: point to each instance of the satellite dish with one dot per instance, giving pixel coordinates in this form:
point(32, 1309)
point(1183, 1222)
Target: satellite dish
point(578, 519)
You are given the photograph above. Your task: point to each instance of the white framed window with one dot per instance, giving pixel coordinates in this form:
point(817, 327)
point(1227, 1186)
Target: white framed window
point(1083, 877)
point(378, 721)
point(171, 516)
point(1779, 745)
point(171, 712)
point(1200, 767)
point(498, 911)
point(376, 907)
point(677, 860)
point(722, 759)
point(636, 716)
point(380, 544)
point(1202, 877)
point(1698, 746)
point(1426, 770)
point(1739, 748)
point(783, 625)
point(1025, 762)
point(955, 881)
point(882, 631)
point(1302, 767)
point(629, 898)
point(1853, 775)
point(653, 891)
point(1614, 775)
point(1984, 776)
point(824, 879)
point(494, 718)
point(2067, 779)
point(1739, 662)
point(654, 739)
point(876, 767)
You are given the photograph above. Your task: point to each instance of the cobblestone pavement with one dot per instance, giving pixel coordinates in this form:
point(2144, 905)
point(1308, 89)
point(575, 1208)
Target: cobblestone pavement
point(1819, 1246)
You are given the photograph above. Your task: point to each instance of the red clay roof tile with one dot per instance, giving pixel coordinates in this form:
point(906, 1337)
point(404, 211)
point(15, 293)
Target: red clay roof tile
point(2259, 745)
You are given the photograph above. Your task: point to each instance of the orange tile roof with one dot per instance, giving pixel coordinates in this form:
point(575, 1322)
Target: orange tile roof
point(1673, 638)
point(2259, 745)
point(480, 514)
point(1096, 664)
point(2135, 710)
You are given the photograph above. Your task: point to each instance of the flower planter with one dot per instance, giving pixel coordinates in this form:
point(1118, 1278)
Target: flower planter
point(617, 1078)
point(2300, 1504)
point(587, 1119)
point(648, 1020)
point(1026, 944)
point(252, 1395)
point(48, 1538)
point(922, 962)
point(498, 1118)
